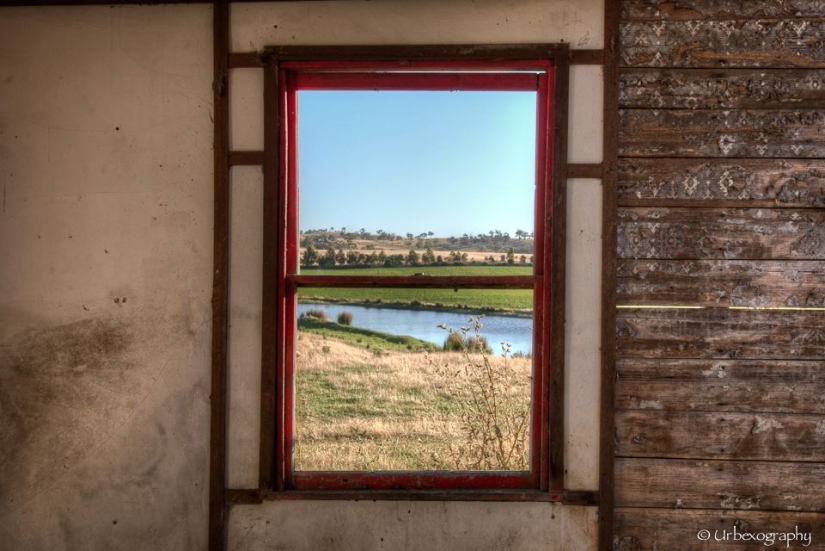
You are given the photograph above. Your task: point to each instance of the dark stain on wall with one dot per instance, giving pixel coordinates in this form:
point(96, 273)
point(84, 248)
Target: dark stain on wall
point(56, 386)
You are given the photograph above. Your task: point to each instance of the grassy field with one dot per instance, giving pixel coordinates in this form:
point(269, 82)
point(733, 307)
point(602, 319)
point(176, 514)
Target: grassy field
point(480, 300)
point(366, 409)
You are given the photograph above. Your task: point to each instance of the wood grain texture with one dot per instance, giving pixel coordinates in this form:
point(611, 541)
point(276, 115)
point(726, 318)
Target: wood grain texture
point(665, 529)
point(722, 133)
point(755, 284)
point(720, 9)
point(774, 43)
point(746, 182)
point(746, 386)
point(732, 234)
point(733, 485)
point(722, 88)
point(720, 435)
point(721, 333)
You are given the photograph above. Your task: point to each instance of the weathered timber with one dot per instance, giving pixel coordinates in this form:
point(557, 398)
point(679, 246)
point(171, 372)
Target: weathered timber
point(607, 479)
point(774, 43)
point(722, 133)
point(720, 435)
point(767, 283)
point(706, 484)
point(720, 9)
point(721, 333)
point(665, 529)
point(722, 88)
point(747, 386)
point(746, 182)
point(694, 233)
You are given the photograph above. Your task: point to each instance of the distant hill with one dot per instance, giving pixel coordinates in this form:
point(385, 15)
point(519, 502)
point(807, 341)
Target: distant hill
point(363, 248)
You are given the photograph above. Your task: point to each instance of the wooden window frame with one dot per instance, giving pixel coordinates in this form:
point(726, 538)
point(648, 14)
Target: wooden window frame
point(544, 68)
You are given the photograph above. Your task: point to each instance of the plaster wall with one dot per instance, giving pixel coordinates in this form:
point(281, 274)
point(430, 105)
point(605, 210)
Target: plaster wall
point(105, 277)
point(418, 525)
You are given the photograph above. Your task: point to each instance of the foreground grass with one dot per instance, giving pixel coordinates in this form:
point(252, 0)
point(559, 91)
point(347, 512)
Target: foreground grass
point(481, 300)
point(361, 410)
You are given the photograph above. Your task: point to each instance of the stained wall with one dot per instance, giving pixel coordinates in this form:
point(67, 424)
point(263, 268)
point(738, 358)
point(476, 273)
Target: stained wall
point(105, 277)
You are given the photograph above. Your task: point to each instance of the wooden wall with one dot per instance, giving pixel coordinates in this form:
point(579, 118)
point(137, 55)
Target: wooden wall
point(720, 395)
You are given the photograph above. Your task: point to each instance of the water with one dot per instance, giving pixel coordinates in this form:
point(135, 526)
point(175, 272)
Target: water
point(423, 324)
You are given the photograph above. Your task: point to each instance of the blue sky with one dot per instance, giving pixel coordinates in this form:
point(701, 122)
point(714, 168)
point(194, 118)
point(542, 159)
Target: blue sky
point(446, 162)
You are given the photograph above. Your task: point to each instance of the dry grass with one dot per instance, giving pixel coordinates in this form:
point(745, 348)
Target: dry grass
point(361, 410)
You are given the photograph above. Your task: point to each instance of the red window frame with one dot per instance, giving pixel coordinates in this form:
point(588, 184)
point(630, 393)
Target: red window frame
point(284, 78)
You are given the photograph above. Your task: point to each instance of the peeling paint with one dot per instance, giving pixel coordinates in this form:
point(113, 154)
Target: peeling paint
point(765, 424)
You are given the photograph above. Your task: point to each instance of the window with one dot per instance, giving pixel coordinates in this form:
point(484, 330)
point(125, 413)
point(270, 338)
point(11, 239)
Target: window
point(409, 207)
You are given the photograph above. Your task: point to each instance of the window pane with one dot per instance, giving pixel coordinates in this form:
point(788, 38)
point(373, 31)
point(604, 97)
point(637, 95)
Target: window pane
point(415, 179)
point(376, 389)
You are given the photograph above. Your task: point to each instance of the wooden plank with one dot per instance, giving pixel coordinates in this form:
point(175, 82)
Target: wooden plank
point(220, 280)
point(610, 146)
point(773, 43)
point(734, 485)
point(640, 10)
point(554, 346)
point(720, 435)
point(766, 283)
point(721, 88)
point(695, 233)
point(746, 182)
point(755, 386)
point(593, 171)
point(721, 333)
point(270, 317)
point(394, 53)
point(586, 57)
point(779, 133)
point(246, 158)
point(685, 529)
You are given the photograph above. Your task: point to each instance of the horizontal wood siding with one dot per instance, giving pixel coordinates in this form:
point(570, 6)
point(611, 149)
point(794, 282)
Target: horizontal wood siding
point(726, 485)
point(722, 89)
point(720, 389)
point(742, 283)
point(721, 233)
point(769, 43)
point(684, 529)
point(724, 435)
point(746, 183)
point(785, 133)
point(721, 333)
point(744, 386)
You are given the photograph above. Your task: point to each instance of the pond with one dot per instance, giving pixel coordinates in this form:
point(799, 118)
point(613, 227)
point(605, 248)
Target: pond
point(423, 324)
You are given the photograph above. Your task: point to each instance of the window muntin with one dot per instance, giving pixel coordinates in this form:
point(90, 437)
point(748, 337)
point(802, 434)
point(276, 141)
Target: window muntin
point(536, 77)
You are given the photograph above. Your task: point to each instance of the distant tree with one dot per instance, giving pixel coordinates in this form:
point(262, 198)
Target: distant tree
point(340, 257)
point(412, 257)
point(511, 256)
point(328, 259)
point(310, 256)
point(522, 259)
point(352, 258)
point(520, 234)
point(428, 257)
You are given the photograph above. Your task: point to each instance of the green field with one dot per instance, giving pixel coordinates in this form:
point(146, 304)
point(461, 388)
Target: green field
point(484, 300)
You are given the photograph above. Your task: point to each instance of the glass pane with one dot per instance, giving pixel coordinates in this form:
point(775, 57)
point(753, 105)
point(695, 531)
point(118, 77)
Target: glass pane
point(414, 182)
point(388, 388)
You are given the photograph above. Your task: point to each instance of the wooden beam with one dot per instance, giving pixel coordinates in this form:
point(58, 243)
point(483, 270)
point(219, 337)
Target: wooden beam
point(608, 292)
point(246, 158)
point(594, 171)
point(220, 282)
